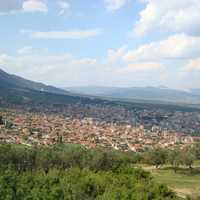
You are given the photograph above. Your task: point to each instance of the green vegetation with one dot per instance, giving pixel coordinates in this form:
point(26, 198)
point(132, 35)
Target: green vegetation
point(179, 169)
point(183, 182)
point(71, 172)
point(176, 157)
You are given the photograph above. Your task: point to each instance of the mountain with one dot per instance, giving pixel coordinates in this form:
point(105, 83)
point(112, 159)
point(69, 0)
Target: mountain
point(15, 90)
point(195, 91)
point(163, 94)
point(13, 81)
point(91, 90)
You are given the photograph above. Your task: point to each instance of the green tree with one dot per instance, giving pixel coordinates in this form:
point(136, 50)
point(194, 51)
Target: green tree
point(188, 158)
point(174, 158)
point(158, 157)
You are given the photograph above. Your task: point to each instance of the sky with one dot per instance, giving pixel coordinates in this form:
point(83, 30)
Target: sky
point(122, 43)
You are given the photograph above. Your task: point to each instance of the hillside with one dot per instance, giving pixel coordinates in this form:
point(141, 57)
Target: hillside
point(195, 91)
point(16, 82)
point(141, 93)
point(15, 91)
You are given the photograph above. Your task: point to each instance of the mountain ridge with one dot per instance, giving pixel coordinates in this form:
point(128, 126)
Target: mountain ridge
point(13, 93)
point(144, 93)
point(14, 81)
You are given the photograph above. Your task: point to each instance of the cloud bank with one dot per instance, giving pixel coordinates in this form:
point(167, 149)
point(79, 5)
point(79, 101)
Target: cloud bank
point(172, 15)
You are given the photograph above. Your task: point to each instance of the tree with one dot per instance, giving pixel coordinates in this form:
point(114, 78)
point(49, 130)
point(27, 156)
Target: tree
point(91, 174)
point(8, 124)
point(188, 158)
point(1, 120)
point(196, 150)
point(174, 158)
point(158, 157)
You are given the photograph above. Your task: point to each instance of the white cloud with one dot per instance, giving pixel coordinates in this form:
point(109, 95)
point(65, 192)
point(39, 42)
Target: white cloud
point(134, 70)
point(25, 50)
point(64, 6)
point(179, 46)
point(141, 67)
point(12, 6)
point(34, 6)
point(71, 34)
point(4, 58)
point(60, 69)
point(112, 5)
point(192, 65)
point(85, 61)
point(25, 31)
point(115, 55)
point(188, 75)
point(7, 6)
point(171, 15)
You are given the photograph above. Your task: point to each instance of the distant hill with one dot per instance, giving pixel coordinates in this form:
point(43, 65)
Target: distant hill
point(15, 90)
point(92, 90)
point(142, 93)
point(13, 81)
point(195, 91)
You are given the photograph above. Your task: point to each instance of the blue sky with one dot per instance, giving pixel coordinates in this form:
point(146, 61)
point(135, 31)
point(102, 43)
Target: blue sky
point(103, 42)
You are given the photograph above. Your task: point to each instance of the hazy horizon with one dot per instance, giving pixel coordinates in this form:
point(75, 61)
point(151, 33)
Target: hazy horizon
point(106, 86)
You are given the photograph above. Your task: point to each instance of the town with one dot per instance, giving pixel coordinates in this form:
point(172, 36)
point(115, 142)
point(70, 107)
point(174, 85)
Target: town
point(31, 128)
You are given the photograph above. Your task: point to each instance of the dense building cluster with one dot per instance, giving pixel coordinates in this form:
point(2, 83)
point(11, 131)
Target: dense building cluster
point(172, 119)
point(22, 127)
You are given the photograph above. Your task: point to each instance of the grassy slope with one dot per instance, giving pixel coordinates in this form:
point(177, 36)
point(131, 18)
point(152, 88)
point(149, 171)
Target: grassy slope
point(183, 182)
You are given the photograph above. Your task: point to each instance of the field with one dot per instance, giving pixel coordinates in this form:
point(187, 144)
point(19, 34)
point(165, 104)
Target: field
point(183, 182)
